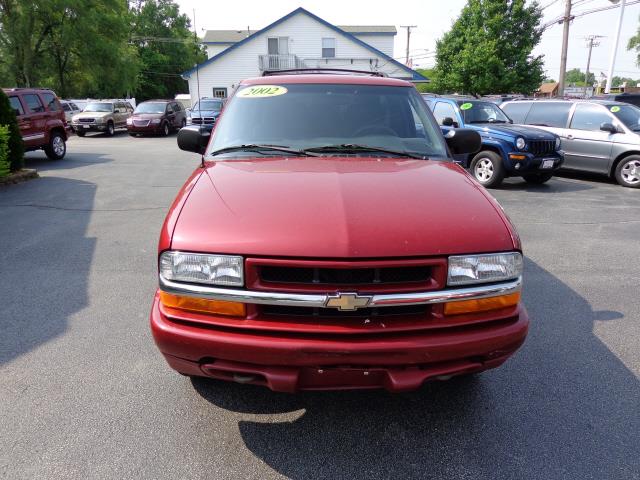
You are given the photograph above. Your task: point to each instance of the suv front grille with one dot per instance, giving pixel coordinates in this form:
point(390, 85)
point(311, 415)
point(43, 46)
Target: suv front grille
point(345, 276)
point(140, 123)
point(542, 147)
point(87, 120)
point(199, 121)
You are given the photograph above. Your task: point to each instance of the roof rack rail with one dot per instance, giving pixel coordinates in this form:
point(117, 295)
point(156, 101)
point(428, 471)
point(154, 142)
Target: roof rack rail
point(303, 71)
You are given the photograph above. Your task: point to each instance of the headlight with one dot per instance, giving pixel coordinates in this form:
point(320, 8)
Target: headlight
point(557, 143)
point(520, 143)
point(202, 268)
point(155, 121)
point(189, 122)
point(492, 267)
point(129, 121)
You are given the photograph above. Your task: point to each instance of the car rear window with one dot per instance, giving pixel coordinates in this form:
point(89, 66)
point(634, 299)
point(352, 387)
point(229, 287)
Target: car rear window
point(16, 105)
point(50, 100)
point(33, 102)
point(549, 114)
point(517, 111)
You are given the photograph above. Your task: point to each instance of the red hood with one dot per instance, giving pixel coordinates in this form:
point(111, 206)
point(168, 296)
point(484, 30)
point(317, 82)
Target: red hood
point(335, 207)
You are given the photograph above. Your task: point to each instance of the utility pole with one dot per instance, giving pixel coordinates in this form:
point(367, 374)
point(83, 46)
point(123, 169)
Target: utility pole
point(408, 27)
point(565, 44)
point(614, 47)
point(592, 41)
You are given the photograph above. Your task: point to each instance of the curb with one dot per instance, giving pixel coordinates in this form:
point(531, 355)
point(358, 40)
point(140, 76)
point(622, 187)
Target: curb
point(19, 176)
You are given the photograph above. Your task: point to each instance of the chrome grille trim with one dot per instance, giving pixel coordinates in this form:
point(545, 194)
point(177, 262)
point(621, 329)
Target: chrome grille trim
point(320, 300)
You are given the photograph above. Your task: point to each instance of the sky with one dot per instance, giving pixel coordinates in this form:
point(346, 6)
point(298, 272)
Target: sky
point(433, 18)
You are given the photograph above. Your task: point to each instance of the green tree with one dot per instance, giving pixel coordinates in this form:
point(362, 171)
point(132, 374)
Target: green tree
point(488, 49)
point(618, 81)
point(576, 76)
point(166, 48)
point(16, 147)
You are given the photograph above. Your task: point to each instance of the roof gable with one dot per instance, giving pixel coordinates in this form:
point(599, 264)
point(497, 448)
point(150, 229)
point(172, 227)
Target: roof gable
point(414, 75)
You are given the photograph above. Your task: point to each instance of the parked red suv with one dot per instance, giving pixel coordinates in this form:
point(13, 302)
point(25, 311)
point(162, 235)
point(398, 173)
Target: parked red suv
point(41, 120)
point(329, 241)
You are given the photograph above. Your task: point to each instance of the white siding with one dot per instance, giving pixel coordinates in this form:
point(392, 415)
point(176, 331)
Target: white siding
point(215, 49)
point(305, 40)
point(384, 43)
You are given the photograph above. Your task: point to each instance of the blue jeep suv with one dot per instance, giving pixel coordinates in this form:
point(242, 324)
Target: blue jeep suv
point(507, 150)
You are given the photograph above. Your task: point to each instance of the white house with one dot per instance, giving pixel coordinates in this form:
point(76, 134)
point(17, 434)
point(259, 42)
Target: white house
point(297, 40)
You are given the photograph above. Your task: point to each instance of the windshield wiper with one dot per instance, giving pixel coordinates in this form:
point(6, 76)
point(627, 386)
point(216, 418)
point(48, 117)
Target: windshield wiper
point(354, 148)
point(487, 121)
point(259, 148)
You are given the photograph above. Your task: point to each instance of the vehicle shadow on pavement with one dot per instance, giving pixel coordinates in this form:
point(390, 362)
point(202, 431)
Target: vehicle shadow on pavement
point(45, 258)
point(40, 162)
point(555, 185)
point(564, 407)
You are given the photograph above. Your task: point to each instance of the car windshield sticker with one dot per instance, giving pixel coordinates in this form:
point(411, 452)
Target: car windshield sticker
point(261, 91)
point(466, 106)
point(615, 109)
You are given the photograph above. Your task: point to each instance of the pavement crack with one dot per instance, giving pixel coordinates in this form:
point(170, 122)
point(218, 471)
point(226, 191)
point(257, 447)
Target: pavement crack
point(71, 209)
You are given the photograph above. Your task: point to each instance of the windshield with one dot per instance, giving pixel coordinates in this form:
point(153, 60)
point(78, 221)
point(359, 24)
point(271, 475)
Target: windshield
point(481, 112)
point(303, 116)
point(215, 105)
point(151, 108)
point(99, 107)
point(627, 114)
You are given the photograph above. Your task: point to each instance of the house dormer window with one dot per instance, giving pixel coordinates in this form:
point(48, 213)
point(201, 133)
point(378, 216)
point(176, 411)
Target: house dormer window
point(328, 48)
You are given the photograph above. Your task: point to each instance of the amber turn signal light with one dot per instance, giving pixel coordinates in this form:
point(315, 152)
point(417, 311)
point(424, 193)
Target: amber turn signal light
point(203, 305)
point(482, 304)
point(517, 157)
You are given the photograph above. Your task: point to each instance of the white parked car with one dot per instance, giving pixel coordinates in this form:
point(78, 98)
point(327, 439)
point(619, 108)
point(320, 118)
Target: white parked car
point(70, 109)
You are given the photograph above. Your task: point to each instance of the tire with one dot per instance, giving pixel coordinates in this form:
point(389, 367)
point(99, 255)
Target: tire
point(184, 123)
point(166, 130)
point(111, 130)
point(57, 147)
point(486, 167)
point(537, 178)
point(81, 133)
point(628, 172)
point(131, 134)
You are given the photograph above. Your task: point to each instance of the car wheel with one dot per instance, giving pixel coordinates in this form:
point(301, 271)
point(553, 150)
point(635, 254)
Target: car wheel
point(184, 123)
point(628, 172)
point(81, 133)
point(486, 168)
point(537, 178)
point(131, 134)
point(57, 147)
point(111, 130)
point(165, 129)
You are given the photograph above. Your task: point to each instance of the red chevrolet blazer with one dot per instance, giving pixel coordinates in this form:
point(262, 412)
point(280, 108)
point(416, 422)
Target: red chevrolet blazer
point(329, 241)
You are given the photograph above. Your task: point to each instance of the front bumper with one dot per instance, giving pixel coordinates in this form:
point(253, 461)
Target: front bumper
point(532, 163)
point(89, 127)
point(151, 128)
point(291, 361)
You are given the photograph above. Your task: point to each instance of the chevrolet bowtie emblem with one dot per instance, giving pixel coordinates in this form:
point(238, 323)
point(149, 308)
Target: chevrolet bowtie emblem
point(347, 301)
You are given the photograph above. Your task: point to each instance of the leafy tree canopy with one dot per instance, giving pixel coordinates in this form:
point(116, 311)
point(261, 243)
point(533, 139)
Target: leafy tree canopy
point(577, 77)
point(488, 49)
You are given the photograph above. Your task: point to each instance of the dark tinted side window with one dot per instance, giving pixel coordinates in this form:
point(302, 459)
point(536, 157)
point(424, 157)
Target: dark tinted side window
point(177, 107)
point(16, 105)
point(443, 110)
point(34, 103)
point(590, 117)
point(50, 100)
point(517, 111)
point(549, 114)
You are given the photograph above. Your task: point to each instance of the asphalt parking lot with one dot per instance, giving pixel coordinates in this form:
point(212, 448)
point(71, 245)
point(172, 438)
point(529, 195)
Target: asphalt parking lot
point(85, 394)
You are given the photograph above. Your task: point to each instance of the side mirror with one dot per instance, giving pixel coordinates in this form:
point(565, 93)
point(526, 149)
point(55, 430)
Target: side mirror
point(608, 127)
point(194, 138)
point(463, 141)
point(449, 122)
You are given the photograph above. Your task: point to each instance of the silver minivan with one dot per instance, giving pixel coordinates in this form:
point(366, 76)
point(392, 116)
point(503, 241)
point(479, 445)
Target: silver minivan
point(597, 136)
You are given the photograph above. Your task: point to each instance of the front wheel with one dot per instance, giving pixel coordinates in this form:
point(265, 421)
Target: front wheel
point(628, 172)
point(486, 167)
point(165, 129)
point(81, 133)
point(537, 178)
point(111, 130)
point(183, 123)
point(57, 147)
